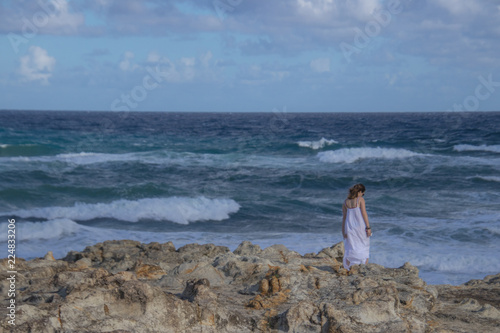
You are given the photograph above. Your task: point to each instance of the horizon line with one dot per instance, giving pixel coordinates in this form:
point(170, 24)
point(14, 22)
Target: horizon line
point(242, 112)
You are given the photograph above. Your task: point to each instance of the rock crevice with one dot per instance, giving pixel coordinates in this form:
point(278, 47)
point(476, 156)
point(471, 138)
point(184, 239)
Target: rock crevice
point(126, 286)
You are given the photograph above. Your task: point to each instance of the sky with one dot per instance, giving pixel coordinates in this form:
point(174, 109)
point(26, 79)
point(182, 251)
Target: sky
point(250, 55)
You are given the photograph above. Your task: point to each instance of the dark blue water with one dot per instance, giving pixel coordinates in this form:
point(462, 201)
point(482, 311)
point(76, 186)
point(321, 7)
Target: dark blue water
point(72, 179)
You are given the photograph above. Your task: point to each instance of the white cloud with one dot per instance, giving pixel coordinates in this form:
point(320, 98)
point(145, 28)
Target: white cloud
point(188, 62)
point(263, 74)
point(399, 78)
point(153, 57)
point(458, 7)
point(363, 9)
point(205, 58)
point(320, 65)
point(360, 9)
point(183, 70)
point(126, 64)
point(391, 78)
point(316, 7)
point(37, 65)
point(103, 3)
point(188, 68)
point(52, 17)
point(62, 19)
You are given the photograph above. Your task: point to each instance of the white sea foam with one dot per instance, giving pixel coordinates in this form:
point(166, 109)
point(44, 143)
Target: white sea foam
point(351, 155)
point(88, 158)
point(53, 229)
point(493, 148)
point(316, 144)
point(66, 235)
point(176, 209)
point(149, 157)
point(494, 229)
point(93, 158)
point(59, 236)
point(440, 262)
point(3, 145)
point(159, 157)
point(82, 158)
point(487, 178)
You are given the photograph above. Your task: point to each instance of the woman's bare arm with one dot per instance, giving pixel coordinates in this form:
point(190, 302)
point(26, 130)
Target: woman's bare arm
point(365, 216)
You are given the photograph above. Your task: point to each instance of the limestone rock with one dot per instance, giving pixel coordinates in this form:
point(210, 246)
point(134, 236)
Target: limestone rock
point(126, 286)
point(248, 249)
point(49, 256)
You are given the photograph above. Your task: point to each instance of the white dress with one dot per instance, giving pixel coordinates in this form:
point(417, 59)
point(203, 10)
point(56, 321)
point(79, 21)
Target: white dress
point(357, 244)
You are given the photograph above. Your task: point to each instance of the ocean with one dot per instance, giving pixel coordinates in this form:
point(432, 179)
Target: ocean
point(73, 179)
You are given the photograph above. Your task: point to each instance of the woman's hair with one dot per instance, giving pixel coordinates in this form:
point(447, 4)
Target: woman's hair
point(353, 191)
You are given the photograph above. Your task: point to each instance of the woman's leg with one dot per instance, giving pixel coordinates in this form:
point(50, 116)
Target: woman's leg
point(345, 263)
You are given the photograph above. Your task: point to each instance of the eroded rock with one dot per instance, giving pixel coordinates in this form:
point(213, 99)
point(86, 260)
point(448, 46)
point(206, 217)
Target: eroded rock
point(126, 286)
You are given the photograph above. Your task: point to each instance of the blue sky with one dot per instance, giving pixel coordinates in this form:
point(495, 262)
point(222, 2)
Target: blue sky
point(250, 55)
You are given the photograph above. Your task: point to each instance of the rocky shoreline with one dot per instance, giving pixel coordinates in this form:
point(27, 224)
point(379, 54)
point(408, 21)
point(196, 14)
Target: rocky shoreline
point(126, 286)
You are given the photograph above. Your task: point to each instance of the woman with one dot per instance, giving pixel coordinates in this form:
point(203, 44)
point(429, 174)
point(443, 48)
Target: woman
point(355, 228)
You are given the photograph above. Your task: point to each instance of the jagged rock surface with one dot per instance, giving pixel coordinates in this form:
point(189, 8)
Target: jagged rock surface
point(125, 286)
